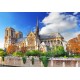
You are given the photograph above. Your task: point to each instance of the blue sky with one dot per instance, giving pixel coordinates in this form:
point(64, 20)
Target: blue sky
point(65, 23)
point(20, 21)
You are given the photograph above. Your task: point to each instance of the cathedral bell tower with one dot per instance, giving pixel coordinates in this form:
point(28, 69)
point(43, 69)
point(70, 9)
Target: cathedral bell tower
point(9, 37)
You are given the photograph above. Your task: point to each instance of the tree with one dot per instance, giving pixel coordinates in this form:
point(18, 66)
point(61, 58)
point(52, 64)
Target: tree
point(1, 49)
point(49, 54)
point(11, 48)
point(58, 51)
point(73, 46)
point(2, 54)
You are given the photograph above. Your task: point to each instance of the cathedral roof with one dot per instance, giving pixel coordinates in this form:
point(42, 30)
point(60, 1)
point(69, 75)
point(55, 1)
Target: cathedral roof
point(54, 35)
point(21, 39)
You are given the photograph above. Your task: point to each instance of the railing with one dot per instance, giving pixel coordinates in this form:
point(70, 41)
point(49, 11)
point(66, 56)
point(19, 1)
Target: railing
point(17, 61)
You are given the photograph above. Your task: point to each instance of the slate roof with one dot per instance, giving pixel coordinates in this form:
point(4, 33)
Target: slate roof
point(54, 35)
point(21, 39)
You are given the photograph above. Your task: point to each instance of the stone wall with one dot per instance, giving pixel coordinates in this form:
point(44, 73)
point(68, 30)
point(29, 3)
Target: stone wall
point(53, 62)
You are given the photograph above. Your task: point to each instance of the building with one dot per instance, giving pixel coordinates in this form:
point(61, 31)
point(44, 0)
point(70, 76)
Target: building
point(33, 41)
point(73, 45)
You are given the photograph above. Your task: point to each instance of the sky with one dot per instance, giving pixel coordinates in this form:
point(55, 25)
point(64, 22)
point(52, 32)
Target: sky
point(66, 23)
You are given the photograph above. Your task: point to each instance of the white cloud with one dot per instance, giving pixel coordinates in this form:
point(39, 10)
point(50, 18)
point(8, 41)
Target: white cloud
point(70, 35)
point(57, 22)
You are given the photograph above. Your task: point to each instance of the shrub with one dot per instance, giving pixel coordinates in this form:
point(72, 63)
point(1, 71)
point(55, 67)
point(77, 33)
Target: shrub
point(43, 54)
point(28, 53)
point(32, 60)
point(65, 57)
point(2, 54)
point(19, 54)
point(33, 53)
point(49, 54)
point(24, 59)
point(36, 53)
point(1, 49)
point(76, 56)
point(44, 60)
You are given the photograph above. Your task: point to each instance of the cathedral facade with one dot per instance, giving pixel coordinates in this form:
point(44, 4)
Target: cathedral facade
point(33, 41)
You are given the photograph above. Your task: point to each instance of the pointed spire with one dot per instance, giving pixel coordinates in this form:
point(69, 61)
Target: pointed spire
point(37, 23)
point(37, 26)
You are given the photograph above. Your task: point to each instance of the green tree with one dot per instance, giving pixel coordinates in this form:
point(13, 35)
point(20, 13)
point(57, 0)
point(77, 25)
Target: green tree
point(58, 51)
point(2, 54)
point(1, 49)
point(48, 54)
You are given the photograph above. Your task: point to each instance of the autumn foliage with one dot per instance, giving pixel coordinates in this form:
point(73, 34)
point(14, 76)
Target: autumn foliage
point(73, 45)
point(11, 48)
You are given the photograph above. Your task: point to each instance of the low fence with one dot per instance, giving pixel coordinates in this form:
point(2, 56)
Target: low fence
point(53, 62)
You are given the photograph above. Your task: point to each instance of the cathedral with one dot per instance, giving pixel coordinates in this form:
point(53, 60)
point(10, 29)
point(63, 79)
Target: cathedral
point(33, 41)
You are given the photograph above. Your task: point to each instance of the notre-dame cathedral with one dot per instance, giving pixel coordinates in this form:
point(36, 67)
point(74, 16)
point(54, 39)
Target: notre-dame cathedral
point(33, 41)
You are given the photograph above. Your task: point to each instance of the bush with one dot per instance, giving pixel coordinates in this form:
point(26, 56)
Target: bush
point(2, 54)
point(33, 53)
point(49, 54)
point(71, 55)
point(43, 54)
point(32, 60)
point(24, 59)
point(76, 55)
point(65, 57)
point(19, 54)
point(29, 53)
point(44, 60)
point(1, 49)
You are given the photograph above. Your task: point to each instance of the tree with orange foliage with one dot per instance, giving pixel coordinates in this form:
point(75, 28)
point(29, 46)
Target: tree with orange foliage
point(74, 46)
point(11, 48)
point(23, 49)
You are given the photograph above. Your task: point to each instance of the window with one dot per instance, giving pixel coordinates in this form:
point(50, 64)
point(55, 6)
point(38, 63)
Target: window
point(58, 42)
point(11, 33)
point(7, 32)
